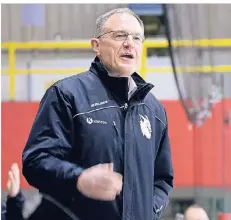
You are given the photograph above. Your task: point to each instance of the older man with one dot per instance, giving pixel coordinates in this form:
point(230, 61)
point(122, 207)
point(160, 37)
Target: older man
point(99, 144)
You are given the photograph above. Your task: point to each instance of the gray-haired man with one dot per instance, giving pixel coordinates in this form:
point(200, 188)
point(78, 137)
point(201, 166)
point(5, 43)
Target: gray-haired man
point(99, 143)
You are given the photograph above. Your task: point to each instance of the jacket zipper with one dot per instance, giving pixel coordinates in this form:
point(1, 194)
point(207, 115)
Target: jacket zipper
point(118, 149)
point(114, 123)
point(117, 132)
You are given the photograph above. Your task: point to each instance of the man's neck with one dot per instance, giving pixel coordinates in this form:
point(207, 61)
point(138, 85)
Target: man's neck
point(114, 74)
point(118, 74)
point(132, 87)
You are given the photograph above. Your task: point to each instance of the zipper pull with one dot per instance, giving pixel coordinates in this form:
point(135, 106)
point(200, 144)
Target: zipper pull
point(125, 106)
point(114, 123)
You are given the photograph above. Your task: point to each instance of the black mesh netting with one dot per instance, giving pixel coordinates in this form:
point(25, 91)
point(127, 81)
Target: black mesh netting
point(200, 88)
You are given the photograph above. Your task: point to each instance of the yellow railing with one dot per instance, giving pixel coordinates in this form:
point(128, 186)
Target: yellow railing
point(13, 46)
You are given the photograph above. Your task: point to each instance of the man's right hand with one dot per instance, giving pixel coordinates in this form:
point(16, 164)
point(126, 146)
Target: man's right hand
point(100, 182)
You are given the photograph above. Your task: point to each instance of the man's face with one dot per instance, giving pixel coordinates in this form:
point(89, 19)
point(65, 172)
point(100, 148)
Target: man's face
point(121, 56)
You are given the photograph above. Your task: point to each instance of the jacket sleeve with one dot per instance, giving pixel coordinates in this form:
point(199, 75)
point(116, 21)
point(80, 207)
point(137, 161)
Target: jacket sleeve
point(46, 156)
point(163, 177)
point(14, 207)
point(3, 213)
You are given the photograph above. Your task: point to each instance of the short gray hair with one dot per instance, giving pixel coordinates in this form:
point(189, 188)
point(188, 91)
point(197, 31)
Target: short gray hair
point(103, 18)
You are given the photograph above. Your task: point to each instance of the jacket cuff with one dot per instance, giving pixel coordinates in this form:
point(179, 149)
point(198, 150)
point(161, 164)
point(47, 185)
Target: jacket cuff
point(16, 201)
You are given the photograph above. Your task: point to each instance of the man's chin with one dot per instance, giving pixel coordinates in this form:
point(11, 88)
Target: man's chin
point(126, 73)
point(126, 70)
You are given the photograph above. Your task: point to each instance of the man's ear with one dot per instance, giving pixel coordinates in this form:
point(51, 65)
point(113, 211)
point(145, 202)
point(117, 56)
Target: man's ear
point(95, 44)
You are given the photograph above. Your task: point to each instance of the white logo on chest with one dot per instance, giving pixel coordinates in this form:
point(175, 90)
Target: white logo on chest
point(99, 103)
point(145, 126)
point(91, 121)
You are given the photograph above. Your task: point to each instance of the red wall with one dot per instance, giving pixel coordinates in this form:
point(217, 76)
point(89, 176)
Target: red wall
point(198, 155)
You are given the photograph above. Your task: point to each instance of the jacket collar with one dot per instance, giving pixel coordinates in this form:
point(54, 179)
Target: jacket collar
point(118, 86)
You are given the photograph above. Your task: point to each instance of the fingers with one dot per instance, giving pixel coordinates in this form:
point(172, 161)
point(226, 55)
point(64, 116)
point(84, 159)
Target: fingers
point(115, 180)
point(112, 181)
point(9, 185)
point(118, 184)
point(11, 178)
point(100, 182)
point(108, 195)
point(14, 174)
point(13, 183)
point(15, 170)
point(108, 181)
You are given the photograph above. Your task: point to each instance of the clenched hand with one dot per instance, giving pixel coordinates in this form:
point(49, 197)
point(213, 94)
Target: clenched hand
point(100, 182)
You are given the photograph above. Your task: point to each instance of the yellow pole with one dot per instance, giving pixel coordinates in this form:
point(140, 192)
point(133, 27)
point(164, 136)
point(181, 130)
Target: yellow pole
point(12, 71)
point(143, 62)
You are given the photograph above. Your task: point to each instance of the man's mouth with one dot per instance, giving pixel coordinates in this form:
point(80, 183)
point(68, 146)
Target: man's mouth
point(127, 56)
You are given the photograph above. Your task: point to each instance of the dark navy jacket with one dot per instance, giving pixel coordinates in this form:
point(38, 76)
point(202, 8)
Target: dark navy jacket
point(87, 119)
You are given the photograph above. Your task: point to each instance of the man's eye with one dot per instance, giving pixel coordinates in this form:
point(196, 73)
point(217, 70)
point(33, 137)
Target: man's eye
point(120, 35)
point(137, 38)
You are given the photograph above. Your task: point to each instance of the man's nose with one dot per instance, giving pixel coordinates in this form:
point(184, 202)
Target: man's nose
point(129, 42)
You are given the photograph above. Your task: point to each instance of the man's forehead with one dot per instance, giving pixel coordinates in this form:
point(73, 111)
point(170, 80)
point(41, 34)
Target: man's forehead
point(123, 21)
